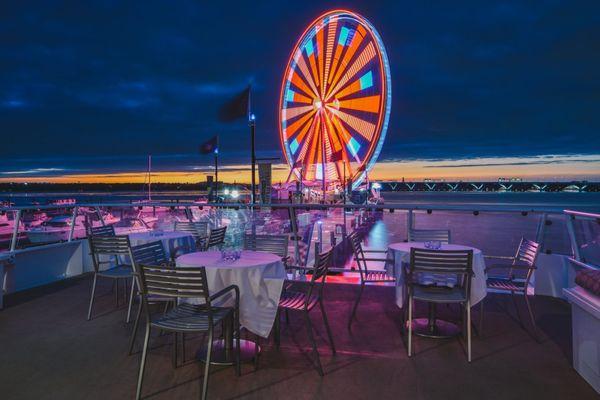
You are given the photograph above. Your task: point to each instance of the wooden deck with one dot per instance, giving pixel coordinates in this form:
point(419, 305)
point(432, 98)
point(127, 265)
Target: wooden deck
point(49, 351)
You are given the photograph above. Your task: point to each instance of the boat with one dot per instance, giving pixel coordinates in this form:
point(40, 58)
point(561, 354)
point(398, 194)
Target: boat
point(58, 228)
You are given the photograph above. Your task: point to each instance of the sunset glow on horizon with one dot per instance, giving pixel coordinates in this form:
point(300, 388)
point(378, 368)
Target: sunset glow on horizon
point(545, 168)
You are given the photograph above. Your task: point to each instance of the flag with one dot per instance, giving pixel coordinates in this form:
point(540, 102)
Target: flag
point(210, 146)
point(237, 107)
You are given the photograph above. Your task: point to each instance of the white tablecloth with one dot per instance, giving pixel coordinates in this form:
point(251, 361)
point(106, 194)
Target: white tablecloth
point(402, 255)
point(171, 241)
point(259, 276)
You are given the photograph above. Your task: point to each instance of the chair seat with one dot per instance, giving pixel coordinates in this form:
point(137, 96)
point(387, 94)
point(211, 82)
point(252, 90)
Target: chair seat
point(295, 300)
point(378, 276)
point(190, 317)
point(120, 271)
point(439, 294)
point(505, 284)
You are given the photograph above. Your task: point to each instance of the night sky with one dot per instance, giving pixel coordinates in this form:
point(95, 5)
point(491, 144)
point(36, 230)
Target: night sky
point(92, 87)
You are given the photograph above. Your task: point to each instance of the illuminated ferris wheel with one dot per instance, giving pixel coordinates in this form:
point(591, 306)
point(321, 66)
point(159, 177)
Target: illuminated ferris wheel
point(335, 99)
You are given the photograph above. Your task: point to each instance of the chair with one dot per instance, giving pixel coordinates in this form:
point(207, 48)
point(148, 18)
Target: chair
point(216, 238)
point(306, 301)
point(154, 254)
point(177, 283)
point(276, 244)
point(366, 276)
point(115, 247)
point(444, 262)
point(105, 230)
point(197, 229)
point(522, 262)
point(427, 235)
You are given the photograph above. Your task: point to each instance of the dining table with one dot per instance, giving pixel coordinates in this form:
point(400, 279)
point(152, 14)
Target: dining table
point(259, 277)
point(431, 326)
point(174, 242)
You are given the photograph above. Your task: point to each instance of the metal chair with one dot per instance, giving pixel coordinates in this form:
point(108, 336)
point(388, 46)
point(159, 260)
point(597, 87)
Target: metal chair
point(444, 262)
point(519, 273)
point(105, 230)
point(197, 229)
point(276, 244)
point(216, 238)
point(154, 254)
point(113, 247)
point(306, 301)
point(185, 318)
point(366, 276)
point(427, 235)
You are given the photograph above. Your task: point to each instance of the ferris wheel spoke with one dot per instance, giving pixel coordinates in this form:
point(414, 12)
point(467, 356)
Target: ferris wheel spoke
point(308, 77)
point(355, 43)
point(364, 82)
point(365, 128)
point(299, 83)
point(367, 104)
point(293, 112)
point(294, 126)
point(331, 33)
point(320, 57)
point(363, 59)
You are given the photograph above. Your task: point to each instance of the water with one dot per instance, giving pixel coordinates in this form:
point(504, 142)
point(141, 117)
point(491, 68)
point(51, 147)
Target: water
point(551, 201)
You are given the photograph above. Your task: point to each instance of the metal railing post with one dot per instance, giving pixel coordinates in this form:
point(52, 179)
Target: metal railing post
point(100, 217)
point(73, 218)
point(541, 229)
point(571, 231)
point(15, 234)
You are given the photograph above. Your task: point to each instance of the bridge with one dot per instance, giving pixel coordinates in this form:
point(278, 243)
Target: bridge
point(519, 186)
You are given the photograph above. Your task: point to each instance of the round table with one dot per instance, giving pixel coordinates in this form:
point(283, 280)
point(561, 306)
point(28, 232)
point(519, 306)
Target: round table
point(430, 326)
point(172, 240)
point(258, 275)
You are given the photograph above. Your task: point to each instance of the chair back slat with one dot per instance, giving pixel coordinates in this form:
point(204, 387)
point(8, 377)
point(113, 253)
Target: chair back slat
point(322, 262)
point(276, 244)
point(106, 230)
point(448, 262)
point(427, 235)
point(175, 283)
point(109, 245)
point(526, 255)
point(359, 255)
point(152, 253)
point(197, 229)
point(216, 237)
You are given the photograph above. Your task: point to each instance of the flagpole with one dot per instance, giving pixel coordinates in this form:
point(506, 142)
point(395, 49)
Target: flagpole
point(252, 123)
point(216, 151)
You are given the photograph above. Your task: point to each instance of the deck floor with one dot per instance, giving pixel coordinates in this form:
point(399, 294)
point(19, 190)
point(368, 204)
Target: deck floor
point(49, 351)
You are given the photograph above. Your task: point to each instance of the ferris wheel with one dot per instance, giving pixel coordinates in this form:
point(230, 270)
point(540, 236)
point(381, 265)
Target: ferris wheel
point(335, 99)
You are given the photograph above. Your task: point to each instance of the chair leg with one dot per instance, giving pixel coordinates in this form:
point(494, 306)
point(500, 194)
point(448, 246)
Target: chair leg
point(138, 394)
point(89, 316)
point(469, 331)
point(514, 300)
point(326, 322)
point(481, 318)
point(207, 365)
point(277, 332)
point(353, 314)
point(410, 311)
point(532, 316)
point(174, 350)
point(135, 328)
point(130, 298)
point(238, 364)
point(117, 292)
point(311, 337)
